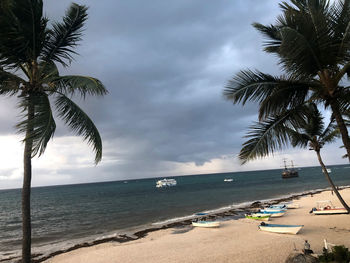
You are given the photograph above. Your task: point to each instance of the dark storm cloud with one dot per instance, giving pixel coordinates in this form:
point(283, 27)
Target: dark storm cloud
point(165, 64)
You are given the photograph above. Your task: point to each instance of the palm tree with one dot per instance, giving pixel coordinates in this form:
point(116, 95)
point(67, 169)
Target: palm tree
point(302, 127)
point(311, 38)
point(29, 51)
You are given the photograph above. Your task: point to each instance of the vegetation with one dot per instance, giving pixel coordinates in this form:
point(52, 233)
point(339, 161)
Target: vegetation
point(301, 127)
point(311, 38)
point(29, 52)
point(339, 254)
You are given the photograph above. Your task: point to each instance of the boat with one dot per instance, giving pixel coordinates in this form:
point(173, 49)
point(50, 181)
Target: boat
point(327, 208)
point(289, 172)
point(166, 183)
point(272, 214)
point(275, 208)
point(328, 170)
point(293, 206)
point(228, 180)
point(281, 206)
point(207, 224)
point(282, 229)
point(263, 217)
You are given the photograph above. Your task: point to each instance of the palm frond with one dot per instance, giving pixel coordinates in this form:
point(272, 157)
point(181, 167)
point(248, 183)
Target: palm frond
point(9, 83)
point(273, 37)
point(42, 124)
point(83, 85)
point(64, 36)
point(80, 123)
point(315, 124)
point(275, 94)
point(298, 139)
point(271, 134)
point(22, 32)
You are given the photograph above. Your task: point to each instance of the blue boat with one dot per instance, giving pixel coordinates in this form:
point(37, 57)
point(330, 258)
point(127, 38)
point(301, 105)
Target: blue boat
point(273, 213)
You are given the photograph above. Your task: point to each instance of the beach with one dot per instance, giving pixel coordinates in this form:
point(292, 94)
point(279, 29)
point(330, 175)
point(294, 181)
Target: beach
point(235, 241)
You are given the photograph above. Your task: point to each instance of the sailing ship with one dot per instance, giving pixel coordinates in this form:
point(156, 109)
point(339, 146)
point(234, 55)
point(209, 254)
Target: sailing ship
point(289, 172)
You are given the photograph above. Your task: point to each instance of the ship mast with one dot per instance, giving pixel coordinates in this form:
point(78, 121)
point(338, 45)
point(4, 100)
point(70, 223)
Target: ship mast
point(285, 163)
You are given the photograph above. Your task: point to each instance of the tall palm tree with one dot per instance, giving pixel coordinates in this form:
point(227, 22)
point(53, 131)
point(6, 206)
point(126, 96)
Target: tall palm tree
point(302, 127)
point(311, 38)
point(29, 51)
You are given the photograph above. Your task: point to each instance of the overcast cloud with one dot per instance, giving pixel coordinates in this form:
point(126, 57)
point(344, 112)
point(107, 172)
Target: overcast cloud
point(165, 64)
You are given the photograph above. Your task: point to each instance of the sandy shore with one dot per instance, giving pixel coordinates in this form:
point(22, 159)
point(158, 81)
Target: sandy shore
point(235, 241)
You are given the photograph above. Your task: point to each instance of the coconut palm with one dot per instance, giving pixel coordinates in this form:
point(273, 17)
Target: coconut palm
point(311, 38)
point(29, 52)
point(302, 127)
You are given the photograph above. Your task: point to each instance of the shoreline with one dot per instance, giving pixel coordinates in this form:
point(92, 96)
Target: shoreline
point(230, 213)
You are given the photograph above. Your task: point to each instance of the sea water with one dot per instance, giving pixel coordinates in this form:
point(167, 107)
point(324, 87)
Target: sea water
point(69, 214)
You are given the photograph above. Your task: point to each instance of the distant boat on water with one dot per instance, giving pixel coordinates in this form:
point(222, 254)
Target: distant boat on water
point(166, 183)
point(228, 180)
point(289, 172)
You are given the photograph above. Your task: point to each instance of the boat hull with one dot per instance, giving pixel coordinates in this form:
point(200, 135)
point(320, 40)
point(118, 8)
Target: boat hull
point(206, 224)
point(263, 217)
point(273, 213)
point(274, 209)
point(293, 206)
point(281, 229)
point(334, 211)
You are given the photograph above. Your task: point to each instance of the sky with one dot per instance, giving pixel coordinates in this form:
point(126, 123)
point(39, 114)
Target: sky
point(165, 65)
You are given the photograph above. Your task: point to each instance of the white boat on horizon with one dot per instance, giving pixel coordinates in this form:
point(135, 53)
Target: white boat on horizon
point(166, 183)
point(207, 224)
point(228, 180)
point(282, 229)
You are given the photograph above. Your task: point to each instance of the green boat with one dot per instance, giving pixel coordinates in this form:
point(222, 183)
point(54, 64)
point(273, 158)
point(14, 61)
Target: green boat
point(258, 217)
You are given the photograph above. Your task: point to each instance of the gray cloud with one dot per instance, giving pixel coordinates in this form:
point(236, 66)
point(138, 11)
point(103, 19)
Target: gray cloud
point(165, 64)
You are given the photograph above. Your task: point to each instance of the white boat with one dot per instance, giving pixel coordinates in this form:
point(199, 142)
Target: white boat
point(166, 183)
point(274, 209)
point(228, 180)
point(327, 208)
point(282, 229)
point(272, 214)
point(293, 206)
point(206, 224)
point(281, 206)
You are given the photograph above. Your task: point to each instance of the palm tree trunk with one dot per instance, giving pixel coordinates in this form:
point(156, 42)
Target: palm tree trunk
point(324, 169)
point(342, 127)
point(27, 176)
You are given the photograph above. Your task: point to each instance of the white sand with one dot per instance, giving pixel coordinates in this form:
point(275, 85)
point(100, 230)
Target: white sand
point(235, 241)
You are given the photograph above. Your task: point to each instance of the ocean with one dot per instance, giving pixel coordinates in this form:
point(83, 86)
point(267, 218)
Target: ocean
point(63, 216)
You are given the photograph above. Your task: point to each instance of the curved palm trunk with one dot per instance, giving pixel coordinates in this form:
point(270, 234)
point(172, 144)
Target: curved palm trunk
point(342, 127)
point(27, 176)
point(324, 169)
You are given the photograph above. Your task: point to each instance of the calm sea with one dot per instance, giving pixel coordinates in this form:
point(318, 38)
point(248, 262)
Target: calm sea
point(69, 214)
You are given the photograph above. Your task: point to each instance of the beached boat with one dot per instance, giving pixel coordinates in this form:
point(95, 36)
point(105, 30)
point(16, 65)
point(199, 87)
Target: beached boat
point(281, 206)
point(293, 206)
point(282, 229)
point(263, 217)
point(228, 180)
point(272, 214)
point(166, 183)
point(274, 209)
point(327, 208)
point(206, 224)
